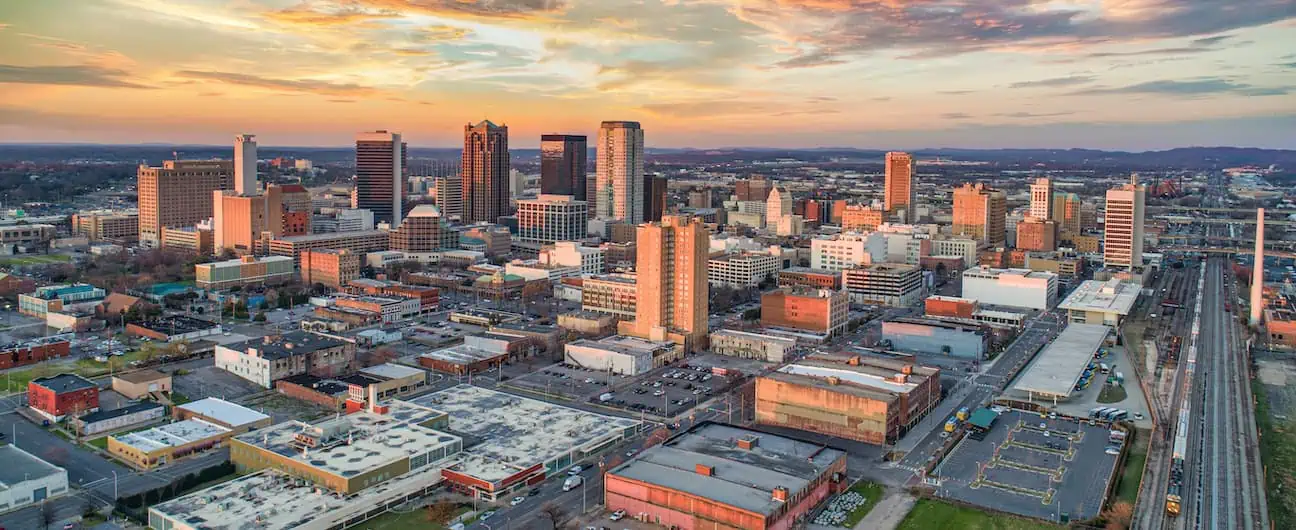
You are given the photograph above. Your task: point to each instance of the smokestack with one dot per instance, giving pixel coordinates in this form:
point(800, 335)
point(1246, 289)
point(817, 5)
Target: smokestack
point(1257, 273)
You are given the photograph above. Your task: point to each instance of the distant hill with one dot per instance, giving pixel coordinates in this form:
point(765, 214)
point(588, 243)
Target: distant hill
point(1185, 157)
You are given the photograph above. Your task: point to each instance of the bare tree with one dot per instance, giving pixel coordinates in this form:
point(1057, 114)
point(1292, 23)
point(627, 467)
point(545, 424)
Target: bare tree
point(1119, 515)
point(556, 515)
point(48, 514)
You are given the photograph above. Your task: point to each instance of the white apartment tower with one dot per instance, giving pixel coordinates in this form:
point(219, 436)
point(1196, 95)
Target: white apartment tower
point(619, 186)
point(1123, 226)
point(777, 206)
point(245, 165)
point(1041, 202)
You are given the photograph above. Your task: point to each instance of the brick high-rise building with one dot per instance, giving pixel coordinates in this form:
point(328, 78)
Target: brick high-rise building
point(423, 230)
point(654, 188)
point(485, 170)
point(981, 213)
point(563, 160)
point(1123, 226)
point(1066, 212)
point(1035, 234)
point(620, 169)
point(380, 175)
point(860, 218)
point(178, 193)
point(901, 190)
point(671, 282)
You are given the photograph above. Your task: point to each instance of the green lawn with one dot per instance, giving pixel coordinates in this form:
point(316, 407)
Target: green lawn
point(872, 494)
point(34, 259)
point(1133, 473)
point(415, 520)
point(1111, 394)
point(929, 514)
point(101, 442)
point(1278, 453)
point(178, 398)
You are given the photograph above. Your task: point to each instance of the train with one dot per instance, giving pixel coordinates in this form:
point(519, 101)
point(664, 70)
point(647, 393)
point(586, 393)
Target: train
point(1174, 487)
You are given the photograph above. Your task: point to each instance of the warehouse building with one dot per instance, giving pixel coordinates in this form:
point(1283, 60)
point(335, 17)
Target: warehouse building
point(620, 354)
point(111, 420)
point(140, 383)
point(462, 360)
point(1021, 288)
point(166, 444)
point(590, 324)
point(725, 477)
point(234, 417)
point(819, 311)
point(861, 398)
point(746, 345)
point(26, 480)
point(936, 337)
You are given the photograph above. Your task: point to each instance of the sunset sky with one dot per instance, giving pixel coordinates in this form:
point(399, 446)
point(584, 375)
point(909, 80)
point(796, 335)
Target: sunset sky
point(1122, 74)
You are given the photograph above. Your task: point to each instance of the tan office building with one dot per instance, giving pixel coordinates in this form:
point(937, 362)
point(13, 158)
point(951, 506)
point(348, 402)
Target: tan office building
point(672, 282)
point(981, 213)
point(860, 218)
point(1066, 212)
point(106, 225)
point(1041, 204)
point(1035, 234)
point(178, 193)
point(901, 190)
point(331, 267)
point(1123, 226)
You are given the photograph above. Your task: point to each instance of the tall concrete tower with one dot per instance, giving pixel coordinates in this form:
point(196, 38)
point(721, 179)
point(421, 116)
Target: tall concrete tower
point(1257, 274)
point(245, 164)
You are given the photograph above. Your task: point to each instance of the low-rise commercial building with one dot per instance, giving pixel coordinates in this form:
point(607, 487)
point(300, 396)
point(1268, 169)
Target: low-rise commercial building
point(819, 311)
point(888, 284)
point(462, 360)
point(28, 481)
point(936, 337)
point(620, 355)
point(845, 251)
point(328, 267)
point(614, 294)
point(1022, 288)
point(1101, 302)
point(53, 297)
point(216, 411)
point(196, 239)
point(168, 443)
point(59, 396)
point(140, 383)
point(360, 242)
point(247, 270)
point(1064, 265)
point(950, 306)
point(386, 309)
point(34, 351)
point(571, 254)
point(111, 420)
point(808, 277)
point(866, 399)
point(107, 225)
point(590, 324)
point(429, 298)
point(266, 360)
point(742, 270)
point(173, 329)
point(721, 476)
point(746, 345)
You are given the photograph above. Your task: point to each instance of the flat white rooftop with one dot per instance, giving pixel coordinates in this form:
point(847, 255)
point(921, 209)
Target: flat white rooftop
point(1055, 371)
point(1112, 296)
point(172, 435)
point(392, 371)
point(462, 354)
point(224, 412)
point(517, 432)
point(375, 440)
point(754, 336)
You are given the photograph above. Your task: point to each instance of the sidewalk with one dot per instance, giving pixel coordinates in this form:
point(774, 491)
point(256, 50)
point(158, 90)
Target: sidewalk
point(889, 512)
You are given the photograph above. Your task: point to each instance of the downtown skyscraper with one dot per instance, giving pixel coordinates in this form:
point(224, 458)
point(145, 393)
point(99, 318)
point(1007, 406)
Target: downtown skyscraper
point(562, 165)
point(380, 175)
point(1123, 226)
point(619, 182)
point(901, 191)
point(671, 281)
point(485, 172)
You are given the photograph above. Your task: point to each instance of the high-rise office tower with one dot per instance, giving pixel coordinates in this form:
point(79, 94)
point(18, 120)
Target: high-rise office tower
point(1066, 212)
point(485, 172)
point(619, 195)
point(1041, 202)
point(551, 218)
point(562, 165)
point(654, 200)
point(1123, 226)
point(671, 281)
point(245, 165)
point(177, 194)
point(981, 214)
point(380, 175)
point(777, 206)
point(753, 189)
point(901, 190)
point(448, 193)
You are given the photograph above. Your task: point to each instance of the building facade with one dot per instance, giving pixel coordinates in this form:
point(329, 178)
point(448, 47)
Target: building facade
point(1041, 199)
point(1037, 235)
point(551, 218)
point(332, 268)
point(936, 337)
point(888, 284)
point(842, 252)
point(1123, 226)
point(381, 170)
point(810, 277)
point(742, 270)
point(485, 169)
point(901, 194)
point(275, 357)
point(178, 193)
point(1022, 288)
point(248, 270)
point(563, 160)
point(107, 225)
point(745, 345)
point(620, 172)
point(821, 311)
point(861, 218)
point(358, 242)
point(59, 396)
point(424, 230)
point(981, 213)
point(672, 283)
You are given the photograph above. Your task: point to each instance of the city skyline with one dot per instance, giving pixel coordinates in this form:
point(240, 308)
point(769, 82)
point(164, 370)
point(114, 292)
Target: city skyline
point(1132, 75)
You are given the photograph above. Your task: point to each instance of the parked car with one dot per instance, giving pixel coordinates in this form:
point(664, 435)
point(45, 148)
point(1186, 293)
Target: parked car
point(517, 500)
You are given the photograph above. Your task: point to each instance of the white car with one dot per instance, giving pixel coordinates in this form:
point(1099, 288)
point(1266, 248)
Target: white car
point(617, 515)
point(575, 470)
point(517, 500)
point(486, 515)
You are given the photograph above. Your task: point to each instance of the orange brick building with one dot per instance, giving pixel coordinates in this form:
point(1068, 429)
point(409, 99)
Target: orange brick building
point(819, 311)
point(807, 277)
point(59, 396)
point(33, 352)
point(331, 267)
point(950, 306)
point(860, 218)
point(1033, 234)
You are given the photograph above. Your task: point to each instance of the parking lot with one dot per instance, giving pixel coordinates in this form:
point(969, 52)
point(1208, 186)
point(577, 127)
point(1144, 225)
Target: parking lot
point(1084, 400)
point(1046, 468)
point(208, 381)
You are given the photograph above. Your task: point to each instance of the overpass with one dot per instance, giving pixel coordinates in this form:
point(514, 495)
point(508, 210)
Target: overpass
point(1182, 238)
point(1274, 253)
point(1183, 219)
point(1249, 211)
